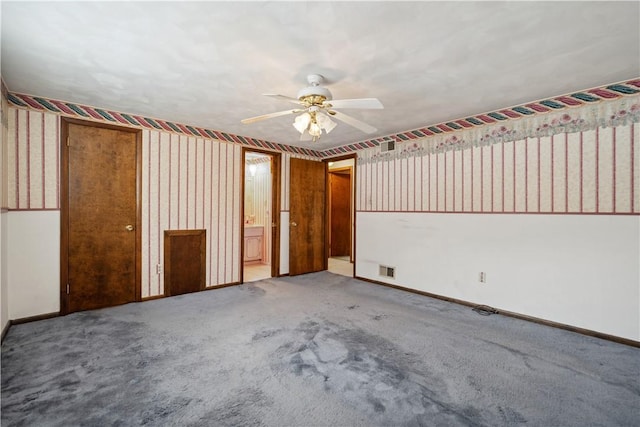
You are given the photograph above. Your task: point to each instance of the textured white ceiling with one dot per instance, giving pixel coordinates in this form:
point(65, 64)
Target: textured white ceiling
point(207, 63)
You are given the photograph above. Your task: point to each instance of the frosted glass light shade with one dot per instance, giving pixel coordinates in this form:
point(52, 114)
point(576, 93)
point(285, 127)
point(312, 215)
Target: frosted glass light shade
point(315, 130)
point(325, 122)
point(302, 122)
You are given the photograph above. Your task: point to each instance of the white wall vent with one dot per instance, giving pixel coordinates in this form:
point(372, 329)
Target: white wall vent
point(387, 146)
point(389, 272)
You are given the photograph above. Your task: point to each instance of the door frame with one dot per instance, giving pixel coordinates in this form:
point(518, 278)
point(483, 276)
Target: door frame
point(351, 213)
point(276, 162)
point(354, 172)
point(305, 173)
point(64, 206)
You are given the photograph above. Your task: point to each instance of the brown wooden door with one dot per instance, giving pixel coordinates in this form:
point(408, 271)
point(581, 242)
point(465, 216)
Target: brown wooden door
point(307, 248)
point(101, 215)
point(184, 261)
point(340, 213)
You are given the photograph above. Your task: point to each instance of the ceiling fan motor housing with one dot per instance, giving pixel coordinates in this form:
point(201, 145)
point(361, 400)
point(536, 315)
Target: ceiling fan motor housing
point(315, 90)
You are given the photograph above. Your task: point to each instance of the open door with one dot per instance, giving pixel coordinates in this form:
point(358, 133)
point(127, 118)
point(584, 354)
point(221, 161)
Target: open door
point(340, 213)
point(307, 237)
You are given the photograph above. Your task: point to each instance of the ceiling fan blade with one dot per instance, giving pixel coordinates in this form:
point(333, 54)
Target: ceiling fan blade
point(353, 122)
point(283, 98)
point(269, 116)
point(363, 103)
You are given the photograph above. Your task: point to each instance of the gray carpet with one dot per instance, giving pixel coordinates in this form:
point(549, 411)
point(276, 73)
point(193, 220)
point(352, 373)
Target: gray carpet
point(313, 350)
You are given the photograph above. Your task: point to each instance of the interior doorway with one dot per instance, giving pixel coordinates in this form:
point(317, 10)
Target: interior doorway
point(341, 218)
point(260, 216)
point(308, 242)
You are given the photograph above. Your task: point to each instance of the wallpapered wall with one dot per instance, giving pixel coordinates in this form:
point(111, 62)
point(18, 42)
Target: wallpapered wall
point(547, 208)
point(593, 171)
point(584, 160)
point(4, 284)
point(190, 184)
point(187, 183)
point(581, 161)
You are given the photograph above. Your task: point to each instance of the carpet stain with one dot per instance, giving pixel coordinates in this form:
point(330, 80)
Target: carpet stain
point(266, 333)
point(242, 407)
point(158, 413)
point(222, 358)
point(370, 373)
point(511, 417)
point(253, 290)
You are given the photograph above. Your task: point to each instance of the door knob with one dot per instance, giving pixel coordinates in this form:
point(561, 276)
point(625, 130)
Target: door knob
point(129, 227)
point(294, 224)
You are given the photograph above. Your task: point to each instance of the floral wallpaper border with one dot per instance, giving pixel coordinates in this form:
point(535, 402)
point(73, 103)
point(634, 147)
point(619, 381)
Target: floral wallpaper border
point(448, 135)
point(618, 112)
point(98, 114)
point(508, 115)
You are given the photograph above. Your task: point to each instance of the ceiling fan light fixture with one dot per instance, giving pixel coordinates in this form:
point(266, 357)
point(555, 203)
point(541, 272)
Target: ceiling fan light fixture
point(302, 122)
point(315, 130)
point(317, 111)
point(325, 122)
point(314, 123)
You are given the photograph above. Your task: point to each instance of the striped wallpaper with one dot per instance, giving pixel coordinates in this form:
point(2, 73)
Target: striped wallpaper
point(33, 160)
point(596, 171)
point(4, 114)
point(190, 183)
point(187, 183)
point(285, 176)
point(33, 155)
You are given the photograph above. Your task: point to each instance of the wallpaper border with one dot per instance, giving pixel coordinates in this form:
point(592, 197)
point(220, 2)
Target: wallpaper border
point(85, 112)
point(511, 114)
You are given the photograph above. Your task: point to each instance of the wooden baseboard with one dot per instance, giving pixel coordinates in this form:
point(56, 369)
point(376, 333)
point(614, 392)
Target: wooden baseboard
point(588, 332)
point(35, 318)
point(226, 285)
point(5, 330)
point(207, 288)
point(152, 298)
point(27, 320)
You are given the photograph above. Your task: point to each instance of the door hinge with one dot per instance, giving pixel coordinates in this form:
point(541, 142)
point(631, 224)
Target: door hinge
point(68, 142)
point(67, 289)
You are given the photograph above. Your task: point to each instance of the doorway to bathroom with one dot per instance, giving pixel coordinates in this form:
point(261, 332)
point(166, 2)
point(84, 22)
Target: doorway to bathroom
point(260, 233)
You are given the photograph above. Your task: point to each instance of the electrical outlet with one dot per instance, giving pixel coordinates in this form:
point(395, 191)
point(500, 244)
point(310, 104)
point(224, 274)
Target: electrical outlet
point(482, 277)
point(159, 269)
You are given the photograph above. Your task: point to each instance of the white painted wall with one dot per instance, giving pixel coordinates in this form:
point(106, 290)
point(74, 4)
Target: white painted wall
point(579, 270)
point(33, 259)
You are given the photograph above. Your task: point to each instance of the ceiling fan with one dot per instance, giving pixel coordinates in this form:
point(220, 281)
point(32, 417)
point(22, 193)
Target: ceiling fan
point(317, 107)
